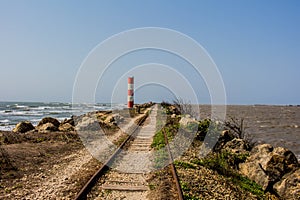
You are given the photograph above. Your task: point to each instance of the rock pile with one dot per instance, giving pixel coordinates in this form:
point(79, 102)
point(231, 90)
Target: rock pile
point(266, 165)
point(289, 186)
point(48, 124)
point(67, 125)
point(90, 121)
point(276, 169)
point(23, 127)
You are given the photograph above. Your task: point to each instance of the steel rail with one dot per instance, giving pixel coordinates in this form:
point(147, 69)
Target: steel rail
point(93, 180)
point(173, 169)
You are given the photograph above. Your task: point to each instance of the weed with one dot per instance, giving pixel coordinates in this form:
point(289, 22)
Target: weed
point(238, 128)
point(190, 197)
point(108, 191)
point(248, 185)
point(203, 129)
point(152, 186)
point(158, 140)
point(184, 186)
point(223, 164)
point(186, 189)
point(184, 165)
point(38, 140)
point(17, 186)
point(7, 190)
point(120, 140)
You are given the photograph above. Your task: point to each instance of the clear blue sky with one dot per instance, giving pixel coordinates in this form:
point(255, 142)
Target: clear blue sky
point(255, 44)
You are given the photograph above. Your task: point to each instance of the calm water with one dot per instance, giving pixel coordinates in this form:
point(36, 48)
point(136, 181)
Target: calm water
point(13, 112)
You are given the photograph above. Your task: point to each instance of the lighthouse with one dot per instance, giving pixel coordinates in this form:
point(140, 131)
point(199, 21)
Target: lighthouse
point(130, 92)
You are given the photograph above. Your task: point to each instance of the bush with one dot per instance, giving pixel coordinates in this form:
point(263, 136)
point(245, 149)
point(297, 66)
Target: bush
point(203, 129)
point(224, 163)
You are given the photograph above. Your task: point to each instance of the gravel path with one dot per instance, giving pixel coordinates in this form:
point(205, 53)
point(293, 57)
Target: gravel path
point(127, 179)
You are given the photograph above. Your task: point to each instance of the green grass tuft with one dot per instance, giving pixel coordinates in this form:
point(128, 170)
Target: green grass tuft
point(222, 163)
point(158, 141)
point(184, 165)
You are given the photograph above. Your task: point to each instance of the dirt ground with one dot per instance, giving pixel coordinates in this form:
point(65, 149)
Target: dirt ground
point(43, 165)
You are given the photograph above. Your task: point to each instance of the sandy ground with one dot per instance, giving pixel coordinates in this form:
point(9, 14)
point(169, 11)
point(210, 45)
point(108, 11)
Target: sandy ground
point(45, 170)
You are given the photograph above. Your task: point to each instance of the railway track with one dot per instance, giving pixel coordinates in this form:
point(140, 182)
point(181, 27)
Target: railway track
point(124, 175)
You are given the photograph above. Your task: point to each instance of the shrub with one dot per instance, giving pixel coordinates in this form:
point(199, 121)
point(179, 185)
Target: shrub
point(203, 129)
point(223, 164)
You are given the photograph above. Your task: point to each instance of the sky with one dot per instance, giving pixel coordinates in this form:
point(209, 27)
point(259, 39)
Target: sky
point(254, 44)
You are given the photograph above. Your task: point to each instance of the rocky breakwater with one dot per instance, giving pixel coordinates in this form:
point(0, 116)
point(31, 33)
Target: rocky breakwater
point(87, 121)
point(91, 121)
point(275, 169)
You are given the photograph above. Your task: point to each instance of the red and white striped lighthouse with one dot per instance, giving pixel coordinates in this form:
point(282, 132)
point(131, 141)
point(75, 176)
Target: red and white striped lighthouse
point(130, 92)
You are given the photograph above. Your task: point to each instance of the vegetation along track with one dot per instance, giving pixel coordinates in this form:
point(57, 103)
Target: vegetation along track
point(130, 166)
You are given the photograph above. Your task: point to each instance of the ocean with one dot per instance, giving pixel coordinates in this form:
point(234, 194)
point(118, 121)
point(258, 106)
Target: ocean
point(12, 113)
point(278, 125)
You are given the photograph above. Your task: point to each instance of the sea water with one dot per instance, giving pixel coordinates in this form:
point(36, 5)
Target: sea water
point(12, 113)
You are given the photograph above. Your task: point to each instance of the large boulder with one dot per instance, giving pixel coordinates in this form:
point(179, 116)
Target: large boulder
point(88, 124)
point(113, 119)
point(48, 124)
point(68, 121)
point(224, 137)
point(289, 186)
point(65, 127)
point(188, 123)
point(47, 127)
point(173, 116)
point(23, 127)
point(51, 120)
point(100, 115)
point(237, 146)
point(173, 110)
point(109, 119)
point(266, 165)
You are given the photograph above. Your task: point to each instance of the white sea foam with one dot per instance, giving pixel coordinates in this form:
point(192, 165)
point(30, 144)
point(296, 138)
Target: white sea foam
point(7, 128)
point(34, 112)
point(21, 106)
point(41, 108)
point(24, 113)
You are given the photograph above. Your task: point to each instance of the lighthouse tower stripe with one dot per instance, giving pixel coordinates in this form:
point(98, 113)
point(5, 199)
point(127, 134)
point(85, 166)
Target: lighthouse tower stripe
point(130, 80)
point(130, 92)
point(130, 99)
point(130, 86)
